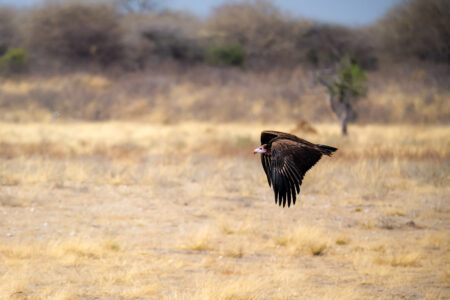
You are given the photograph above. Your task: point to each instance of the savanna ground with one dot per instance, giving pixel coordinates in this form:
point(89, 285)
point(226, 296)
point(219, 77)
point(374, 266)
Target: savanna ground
point(133, 210)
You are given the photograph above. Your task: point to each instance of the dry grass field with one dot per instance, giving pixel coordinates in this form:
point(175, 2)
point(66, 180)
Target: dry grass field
point(121, 210)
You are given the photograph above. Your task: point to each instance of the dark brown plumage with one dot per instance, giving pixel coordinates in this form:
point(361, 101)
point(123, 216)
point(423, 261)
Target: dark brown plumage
point(285, 159)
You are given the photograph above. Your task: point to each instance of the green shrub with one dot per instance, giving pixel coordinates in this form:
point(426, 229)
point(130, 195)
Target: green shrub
point(15, 60)
point(352, 79)
point(232, 55)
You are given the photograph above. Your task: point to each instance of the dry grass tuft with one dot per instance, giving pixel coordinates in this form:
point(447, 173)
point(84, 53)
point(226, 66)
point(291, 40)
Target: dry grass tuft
point(230, 227)
point(408, 259)
point(396, 212)
point(111, 245)
point(139, 292)
point(81, 248)
point(199, 240)
point(234, 251)
point(436, 241)
point(303, 240)
point(230, 289)
point(342, 240)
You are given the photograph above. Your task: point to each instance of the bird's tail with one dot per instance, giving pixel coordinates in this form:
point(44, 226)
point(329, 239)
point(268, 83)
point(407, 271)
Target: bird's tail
point(327, 150)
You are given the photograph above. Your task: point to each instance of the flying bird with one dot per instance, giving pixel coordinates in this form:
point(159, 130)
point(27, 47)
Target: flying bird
point(285, 159)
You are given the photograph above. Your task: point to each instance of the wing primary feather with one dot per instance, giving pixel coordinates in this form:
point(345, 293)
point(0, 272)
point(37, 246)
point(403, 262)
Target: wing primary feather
point(277, 179)
point(276, 187)
point(287, 189)
point(280, 184)
point(296, 183)
point(275, 191)
point(280, 190)
point(290, 182)
point(295, 172)
point(266, 167)
point(269, 169)
point(294, 200)
point(288, 172)
point(293, 178)
point(289, 192)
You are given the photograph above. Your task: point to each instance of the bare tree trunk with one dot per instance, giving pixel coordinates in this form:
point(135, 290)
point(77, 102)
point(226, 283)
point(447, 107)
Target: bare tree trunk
point(346, 112)
point(340, 109)
point(340, 104)
point(344, 126)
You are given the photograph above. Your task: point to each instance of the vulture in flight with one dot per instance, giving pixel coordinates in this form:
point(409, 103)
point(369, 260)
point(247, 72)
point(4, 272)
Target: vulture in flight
point(285, 159)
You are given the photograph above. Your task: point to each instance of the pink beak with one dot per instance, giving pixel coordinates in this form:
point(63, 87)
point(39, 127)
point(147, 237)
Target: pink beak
point(254, 151)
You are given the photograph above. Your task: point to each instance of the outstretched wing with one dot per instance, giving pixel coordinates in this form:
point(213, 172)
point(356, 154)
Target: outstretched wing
point(268, 135)
point(289, 161)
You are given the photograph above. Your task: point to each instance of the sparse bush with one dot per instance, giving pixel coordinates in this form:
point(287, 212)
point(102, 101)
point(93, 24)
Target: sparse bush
point(232, 55)
point(15, 60)
point(77, 32)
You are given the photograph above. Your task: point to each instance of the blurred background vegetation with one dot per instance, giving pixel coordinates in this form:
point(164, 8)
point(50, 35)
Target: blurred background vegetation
point(132, 59)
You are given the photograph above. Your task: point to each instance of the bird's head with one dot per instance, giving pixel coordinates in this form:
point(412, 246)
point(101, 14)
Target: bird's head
point(261, 149)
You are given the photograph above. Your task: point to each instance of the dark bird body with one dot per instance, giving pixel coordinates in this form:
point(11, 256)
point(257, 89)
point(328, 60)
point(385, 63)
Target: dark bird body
point(285, 159)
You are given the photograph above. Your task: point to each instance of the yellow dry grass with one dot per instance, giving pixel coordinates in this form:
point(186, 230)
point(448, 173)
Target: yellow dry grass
point(56, 83)
point(122, 210)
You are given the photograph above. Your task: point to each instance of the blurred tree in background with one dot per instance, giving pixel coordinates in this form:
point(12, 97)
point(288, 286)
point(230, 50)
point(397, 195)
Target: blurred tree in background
point(347, 86)
point(161, 36)
point(267, 35)
point(134, 33)
point(417, 29)
point(172, 42)
point(325, 45)
point(77, 32)
point(278, 52)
